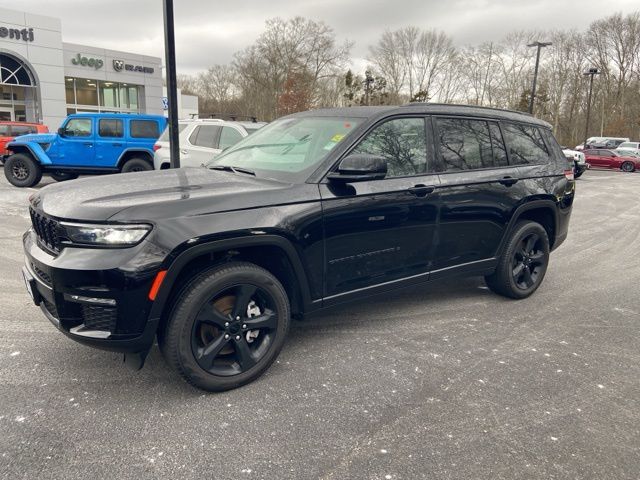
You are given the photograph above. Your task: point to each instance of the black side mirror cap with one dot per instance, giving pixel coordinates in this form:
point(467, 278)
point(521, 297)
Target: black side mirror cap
point(360, 167)
point(62, 132)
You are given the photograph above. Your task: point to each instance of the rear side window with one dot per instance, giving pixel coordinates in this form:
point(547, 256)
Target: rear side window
point(470, 144)
point(205, 136)
point(110, 127)
point(525, 143)
point(228, 137)
point(144, 129)
point(4, 130)
point(402, 142)
point(17, 130)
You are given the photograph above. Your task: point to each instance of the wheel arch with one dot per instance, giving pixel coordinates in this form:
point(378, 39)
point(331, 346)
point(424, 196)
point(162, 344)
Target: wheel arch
point(130, 153)
point(274, 253)
point(543, 212)
point(35, 151)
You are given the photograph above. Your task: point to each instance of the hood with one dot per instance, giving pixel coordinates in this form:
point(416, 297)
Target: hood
point(36, 137)
point(164, 194)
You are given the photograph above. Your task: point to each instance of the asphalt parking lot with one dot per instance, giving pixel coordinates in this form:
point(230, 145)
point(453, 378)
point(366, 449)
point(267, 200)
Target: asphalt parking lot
point(441, 382)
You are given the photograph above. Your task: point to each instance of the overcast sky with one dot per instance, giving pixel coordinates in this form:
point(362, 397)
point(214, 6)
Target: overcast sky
point(210, 31)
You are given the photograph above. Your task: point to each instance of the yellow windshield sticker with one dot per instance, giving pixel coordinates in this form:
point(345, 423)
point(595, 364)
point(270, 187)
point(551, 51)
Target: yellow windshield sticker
point(337, 137)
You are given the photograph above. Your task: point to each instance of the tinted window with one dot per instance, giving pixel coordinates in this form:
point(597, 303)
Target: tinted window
point(78, 127)
point(205, 136)
point(465, 144)
point(525, 144)
point(17, 130)
point(4, 130)
point(229, 136)
point(497, 143)
point(402, 142)
point(110, 127)
point(144, 129)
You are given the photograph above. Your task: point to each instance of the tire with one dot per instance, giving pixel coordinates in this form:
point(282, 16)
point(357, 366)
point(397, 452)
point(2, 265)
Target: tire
point(63, 176)
point(208, 337)
point(578, 173)
point(136, 165)
point(627, 167)
point(524, 262)
point(22, 171)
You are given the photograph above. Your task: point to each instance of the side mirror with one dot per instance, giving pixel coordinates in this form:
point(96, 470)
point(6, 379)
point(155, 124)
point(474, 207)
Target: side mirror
point(62, 132)
point(360, 167)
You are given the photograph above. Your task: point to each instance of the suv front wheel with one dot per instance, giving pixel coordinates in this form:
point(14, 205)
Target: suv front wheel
point(226, 326)
point(22, 171)
point(524, 261)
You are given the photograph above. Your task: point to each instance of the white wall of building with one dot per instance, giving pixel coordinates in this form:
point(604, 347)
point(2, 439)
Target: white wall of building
point(187, 104)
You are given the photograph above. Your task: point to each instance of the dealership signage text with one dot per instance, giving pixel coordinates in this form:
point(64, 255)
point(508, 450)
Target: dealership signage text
point(87, 62)
point(119, 66)
point(25, 34)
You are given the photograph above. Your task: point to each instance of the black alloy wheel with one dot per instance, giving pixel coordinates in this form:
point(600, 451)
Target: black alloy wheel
point(627, 167)
point(22, 171)
point(233, 331)
point(528, 261)
point(226, 327)
point(523, 263)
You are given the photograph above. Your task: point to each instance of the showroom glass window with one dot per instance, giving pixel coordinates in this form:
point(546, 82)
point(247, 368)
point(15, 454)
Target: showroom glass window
point(402, 142)
point(525, 143)
point(86, 95)
point(470, 144)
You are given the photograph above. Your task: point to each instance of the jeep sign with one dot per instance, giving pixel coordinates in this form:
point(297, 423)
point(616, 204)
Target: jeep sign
point(87, 62)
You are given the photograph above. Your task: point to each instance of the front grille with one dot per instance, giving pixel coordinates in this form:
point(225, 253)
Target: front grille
point(97, 317)
point(47, 230)
point(42, 275)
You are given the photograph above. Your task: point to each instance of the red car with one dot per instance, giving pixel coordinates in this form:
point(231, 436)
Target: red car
point(610, 159)
point(10, 130)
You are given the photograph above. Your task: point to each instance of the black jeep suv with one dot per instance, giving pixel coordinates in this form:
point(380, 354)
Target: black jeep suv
point(317, 208)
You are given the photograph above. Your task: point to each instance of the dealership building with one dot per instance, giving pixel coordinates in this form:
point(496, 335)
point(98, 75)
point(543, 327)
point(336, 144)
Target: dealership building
point(43, 79)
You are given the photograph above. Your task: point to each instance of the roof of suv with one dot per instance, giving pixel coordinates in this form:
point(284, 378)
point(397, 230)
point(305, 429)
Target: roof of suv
point(431, 108)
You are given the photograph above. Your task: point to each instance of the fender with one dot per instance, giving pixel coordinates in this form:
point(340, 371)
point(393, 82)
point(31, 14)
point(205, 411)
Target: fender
point(535, 204)
point(34, 149)
point(230, 243)
point(135, 150)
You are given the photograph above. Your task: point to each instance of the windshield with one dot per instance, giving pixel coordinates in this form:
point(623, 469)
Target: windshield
point(288, 149)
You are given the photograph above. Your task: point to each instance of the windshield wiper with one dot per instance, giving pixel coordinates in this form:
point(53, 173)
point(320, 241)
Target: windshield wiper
point(229, 168)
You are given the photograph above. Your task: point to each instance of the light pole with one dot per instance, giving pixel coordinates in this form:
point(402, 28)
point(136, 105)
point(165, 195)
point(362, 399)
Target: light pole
point(172, 92)
point(539, 45)
point(591, 72)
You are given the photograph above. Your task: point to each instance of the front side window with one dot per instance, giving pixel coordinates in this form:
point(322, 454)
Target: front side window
point(288, 149)
point(402, 142)
point(525, 144)
point(205, 136)
point(466, 144)
point(228, 137)
point(78, 127)
point(110, 127)
point(144, 129)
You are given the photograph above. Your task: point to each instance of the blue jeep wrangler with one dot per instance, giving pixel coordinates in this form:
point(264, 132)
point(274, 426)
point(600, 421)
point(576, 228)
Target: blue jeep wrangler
point(86, 143)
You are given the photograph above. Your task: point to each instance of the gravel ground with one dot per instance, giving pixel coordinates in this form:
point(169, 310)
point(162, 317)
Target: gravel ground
point(441, 382)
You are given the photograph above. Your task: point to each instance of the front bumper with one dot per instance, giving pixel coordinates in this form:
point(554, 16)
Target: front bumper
point(96, 297)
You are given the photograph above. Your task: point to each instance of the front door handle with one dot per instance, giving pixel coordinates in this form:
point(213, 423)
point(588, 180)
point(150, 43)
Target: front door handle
point(88, 144)
point(421, 190)
point(184, 152)
point(116, 144)
point(508, 181)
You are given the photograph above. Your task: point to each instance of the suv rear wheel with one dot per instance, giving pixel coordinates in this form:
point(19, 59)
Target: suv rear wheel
point(523, 263)
point(226, 327)
point(136, 165)
point(22, 171)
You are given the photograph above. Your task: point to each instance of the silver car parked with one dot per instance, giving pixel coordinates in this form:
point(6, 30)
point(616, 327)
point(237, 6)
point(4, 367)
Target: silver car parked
point(201, 140)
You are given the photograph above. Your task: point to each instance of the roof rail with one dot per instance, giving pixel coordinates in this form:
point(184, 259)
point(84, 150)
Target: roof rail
point(422, 104)
point(231, 116)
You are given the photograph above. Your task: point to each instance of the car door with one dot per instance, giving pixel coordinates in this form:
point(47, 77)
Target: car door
point(380, 232)
point(479, 189)
point(201, 147)
point(75, 147)
point(592, 157)
point(109, 141)
point(609, 159)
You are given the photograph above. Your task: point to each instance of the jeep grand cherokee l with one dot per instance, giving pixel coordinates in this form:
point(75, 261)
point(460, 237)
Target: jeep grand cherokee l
point(315, 209)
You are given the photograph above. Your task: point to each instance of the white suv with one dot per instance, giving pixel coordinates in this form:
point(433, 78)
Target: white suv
point(201, 140)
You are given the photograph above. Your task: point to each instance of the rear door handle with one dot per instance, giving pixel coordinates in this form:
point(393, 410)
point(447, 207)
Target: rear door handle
point(508, 181)
point(116, 144)
point(421, 190)
point(88, 144)
point(184, 152)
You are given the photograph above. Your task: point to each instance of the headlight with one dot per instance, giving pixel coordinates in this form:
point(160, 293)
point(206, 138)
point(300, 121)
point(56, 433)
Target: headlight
point(106, 235)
